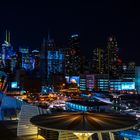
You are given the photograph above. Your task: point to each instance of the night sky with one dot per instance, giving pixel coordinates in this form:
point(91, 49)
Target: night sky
point(94, 20)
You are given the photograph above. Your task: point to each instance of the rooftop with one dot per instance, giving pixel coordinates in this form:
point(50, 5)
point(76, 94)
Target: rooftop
point(87, 103)
point(84, 122)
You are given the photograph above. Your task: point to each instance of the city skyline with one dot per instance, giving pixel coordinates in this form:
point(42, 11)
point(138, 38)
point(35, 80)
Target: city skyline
point(69, 70)
point(94, 21)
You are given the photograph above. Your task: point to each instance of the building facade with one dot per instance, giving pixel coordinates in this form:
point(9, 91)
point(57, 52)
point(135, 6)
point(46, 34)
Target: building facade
point(98, 61)
point(73, 56)
point(52, 61)
point(112, 58)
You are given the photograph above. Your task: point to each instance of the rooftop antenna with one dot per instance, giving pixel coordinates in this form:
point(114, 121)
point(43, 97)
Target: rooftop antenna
point(9, 37)
point(6, 36)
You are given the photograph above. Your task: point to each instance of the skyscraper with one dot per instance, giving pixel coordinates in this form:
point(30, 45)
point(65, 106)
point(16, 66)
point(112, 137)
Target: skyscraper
point(27, 60)
point(112, 57)
point(36, 57)
point(73, 56)
point(98, 61)
point(129, 71)
point(7, 53)
point(52, 60)
point(7, 49)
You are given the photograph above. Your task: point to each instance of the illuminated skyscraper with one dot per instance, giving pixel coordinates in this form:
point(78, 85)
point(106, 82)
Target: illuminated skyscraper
point(7, 49)
point(43, 62)
point(98, 61)
point(73, 56)
point(129, 71)
point(36, 57)
point(25, 59)
point(7, 54)
point(52, 61)
point(112, 57)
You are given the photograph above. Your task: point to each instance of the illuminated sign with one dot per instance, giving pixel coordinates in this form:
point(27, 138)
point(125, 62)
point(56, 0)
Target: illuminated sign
point(14, 85)
point(128, 85)
point(72, 79)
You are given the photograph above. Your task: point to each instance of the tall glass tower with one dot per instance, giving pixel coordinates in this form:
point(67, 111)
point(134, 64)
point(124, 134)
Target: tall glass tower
point(112, 57)
point(52, 60)
point(7, 49)
point(73, 56)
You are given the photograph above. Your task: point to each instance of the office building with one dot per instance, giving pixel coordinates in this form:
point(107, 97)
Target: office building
point(82, 82)
point(52, 60)
point(129, 70)
point(115, 85)
point(36, 57)
point(101, 82)
point(95, 106)
point(90, 82)
point(27, 61)
point(112, 60)
point(7, 49)
point(73, 56)
point(98, 61)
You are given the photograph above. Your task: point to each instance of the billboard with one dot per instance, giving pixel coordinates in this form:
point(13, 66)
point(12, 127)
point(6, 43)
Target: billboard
point(14, 85)
point(73, 79)
point(128, 85)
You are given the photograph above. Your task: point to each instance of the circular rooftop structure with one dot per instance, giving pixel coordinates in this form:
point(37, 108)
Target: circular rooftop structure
point(84, 122)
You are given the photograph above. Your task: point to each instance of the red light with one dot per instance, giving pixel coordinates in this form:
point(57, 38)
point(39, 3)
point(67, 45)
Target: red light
point(119, 61)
